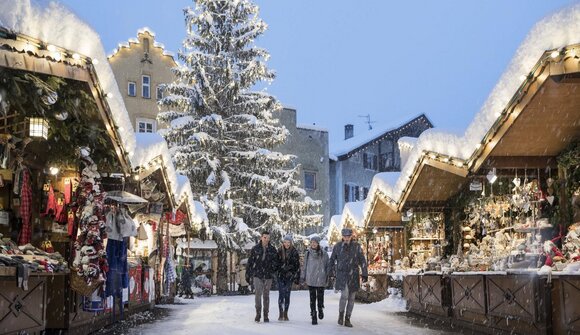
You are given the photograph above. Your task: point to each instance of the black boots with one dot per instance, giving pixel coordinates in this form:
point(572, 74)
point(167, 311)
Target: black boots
point(266, 317)
point(257, 319)
point(347, 321)
point(341, 318)
point(320, 313)
point(281, 317)
point(286, 315)
point(314, 319)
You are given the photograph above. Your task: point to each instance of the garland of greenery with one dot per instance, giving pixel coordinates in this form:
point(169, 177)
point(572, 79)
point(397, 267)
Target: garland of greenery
point(68, 108)
point(569, 160)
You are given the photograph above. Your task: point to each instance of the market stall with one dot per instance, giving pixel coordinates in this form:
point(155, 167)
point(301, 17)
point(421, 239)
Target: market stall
point(503, 256)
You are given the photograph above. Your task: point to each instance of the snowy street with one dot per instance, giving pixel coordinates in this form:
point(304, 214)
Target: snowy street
point(234, 315)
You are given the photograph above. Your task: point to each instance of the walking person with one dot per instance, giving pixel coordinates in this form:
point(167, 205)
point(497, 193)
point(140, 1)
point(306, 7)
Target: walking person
point(186, 281)
point(347, 257)
point(261, 268)
point(289, 267)
point(315, 275)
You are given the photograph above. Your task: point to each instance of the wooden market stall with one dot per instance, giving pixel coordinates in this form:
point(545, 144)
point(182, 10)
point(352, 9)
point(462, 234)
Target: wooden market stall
point(497, 285)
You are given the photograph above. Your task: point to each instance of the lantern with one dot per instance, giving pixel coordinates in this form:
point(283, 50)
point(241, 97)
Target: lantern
point(38, 127)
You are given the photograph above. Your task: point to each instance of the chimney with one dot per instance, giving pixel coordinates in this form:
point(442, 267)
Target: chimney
point(348, 131)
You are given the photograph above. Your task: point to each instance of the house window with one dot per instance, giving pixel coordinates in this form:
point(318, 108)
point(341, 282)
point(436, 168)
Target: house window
point(159, 92)
point(370, 161)
point(351, 192)
point(131, 89)
point(309, 180)
point(365, 192)
point(387, 162)
point(146, 125)
point(146, 81)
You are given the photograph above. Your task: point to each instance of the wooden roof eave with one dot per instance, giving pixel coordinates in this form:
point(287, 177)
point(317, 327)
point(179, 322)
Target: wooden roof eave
point(21, 52)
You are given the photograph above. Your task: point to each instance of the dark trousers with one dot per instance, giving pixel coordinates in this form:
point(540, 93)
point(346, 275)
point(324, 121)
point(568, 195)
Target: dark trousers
point(284, 289)
point(316, 298)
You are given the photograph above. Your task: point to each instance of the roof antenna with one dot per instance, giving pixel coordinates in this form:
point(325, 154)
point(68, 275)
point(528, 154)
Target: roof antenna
point(368, 121)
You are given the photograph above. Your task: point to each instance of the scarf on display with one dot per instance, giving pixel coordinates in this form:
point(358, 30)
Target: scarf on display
point(50, 203)
point(25, 209)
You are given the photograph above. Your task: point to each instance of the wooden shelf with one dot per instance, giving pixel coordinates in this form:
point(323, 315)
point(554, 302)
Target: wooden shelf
point(426, 239)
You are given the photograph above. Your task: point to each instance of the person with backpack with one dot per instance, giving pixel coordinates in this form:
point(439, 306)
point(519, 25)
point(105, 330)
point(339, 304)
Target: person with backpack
point(315, 275)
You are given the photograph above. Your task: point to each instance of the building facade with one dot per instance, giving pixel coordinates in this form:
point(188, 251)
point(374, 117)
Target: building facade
point(310, 146)
point(141, 66)
point(357, 159)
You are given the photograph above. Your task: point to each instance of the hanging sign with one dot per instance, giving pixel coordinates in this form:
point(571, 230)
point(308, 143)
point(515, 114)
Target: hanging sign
point(476, 185)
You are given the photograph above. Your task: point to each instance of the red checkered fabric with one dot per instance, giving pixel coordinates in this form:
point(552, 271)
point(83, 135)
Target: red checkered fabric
point(25, 209)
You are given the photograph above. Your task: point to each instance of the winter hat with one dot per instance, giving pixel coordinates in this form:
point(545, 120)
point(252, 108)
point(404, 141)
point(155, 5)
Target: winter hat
point(288, 238)
point(315, 238)
point(346, 232)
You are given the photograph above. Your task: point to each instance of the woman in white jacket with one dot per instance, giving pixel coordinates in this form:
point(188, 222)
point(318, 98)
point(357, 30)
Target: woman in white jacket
point(315, 275)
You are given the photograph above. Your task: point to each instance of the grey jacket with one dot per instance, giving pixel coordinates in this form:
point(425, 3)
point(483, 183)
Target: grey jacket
point(345, 262)
point(315, 271)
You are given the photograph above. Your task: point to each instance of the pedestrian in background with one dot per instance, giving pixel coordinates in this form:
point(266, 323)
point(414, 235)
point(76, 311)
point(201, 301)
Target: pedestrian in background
point(315, 275)
point(347, 257)
point(289, 261)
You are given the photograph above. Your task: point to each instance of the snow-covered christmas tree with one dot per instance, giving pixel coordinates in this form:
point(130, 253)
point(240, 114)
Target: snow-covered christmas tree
point(221, 132)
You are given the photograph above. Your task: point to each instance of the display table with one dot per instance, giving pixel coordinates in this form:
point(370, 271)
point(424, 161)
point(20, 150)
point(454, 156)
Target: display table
point(22, 311)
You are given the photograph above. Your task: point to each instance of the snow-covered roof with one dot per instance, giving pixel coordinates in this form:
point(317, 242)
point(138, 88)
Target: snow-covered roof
point(55, 24)
point(152, 150)
point(311, 127)
point(353, 212)
point(551, 33)
point(133, 40)
point(196, 243)
point(344, 147)
point(406, 145)
point(334, 227)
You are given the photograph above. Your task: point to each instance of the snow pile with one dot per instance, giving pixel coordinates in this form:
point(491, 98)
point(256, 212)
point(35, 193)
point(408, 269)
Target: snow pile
point(394, 302)
point(55, 24)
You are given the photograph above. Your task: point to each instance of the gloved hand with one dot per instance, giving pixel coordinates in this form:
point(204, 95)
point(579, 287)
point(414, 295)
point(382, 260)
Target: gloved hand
point(365, 279)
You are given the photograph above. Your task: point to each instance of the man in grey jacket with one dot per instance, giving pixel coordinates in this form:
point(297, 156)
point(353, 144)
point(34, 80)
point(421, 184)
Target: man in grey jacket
point(347, 257)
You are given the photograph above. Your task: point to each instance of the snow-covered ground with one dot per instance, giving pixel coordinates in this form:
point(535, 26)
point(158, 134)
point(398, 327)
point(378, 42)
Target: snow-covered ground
point(235, 315)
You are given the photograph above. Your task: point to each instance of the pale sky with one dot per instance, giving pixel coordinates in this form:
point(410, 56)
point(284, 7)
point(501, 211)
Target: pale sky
point(338, 59)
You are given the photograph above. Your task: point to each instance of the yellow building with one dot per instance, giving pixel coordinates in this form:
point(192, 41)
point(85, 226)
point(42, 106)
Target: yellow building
point(141, 65)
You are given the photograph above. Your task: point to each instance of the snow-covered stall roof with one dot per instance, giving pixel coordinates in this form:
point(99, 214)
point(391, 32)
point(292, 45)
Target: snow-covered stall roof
point(334, 228)
point(344, 147)
point(152, 150)
point(406, 145)
point(551, 33)
point(55, 24)
point(353, 213)
point(196, 243)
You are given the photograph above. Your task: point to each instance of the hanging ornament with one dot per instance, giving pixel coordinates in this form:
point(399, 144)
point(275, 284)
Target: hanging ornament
point(50, 97)
point(61, 116)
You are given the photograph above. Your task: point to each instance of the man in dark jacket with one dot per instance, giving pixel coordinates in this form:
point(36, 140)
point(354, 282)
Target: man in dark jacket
point(261, 268)
point(289, 267)
point(347, 257)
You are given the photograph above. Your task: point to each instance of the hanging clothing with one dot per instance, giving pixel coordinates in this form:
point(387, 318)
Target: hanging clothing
point(67, 191)
point(50, 203)
point(118, 276)
point(25, 209)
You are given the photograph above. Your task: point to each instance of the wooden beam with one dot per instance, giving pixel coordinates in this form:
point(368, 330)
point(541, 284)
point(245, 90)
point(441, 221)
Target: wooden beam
point(520, 162)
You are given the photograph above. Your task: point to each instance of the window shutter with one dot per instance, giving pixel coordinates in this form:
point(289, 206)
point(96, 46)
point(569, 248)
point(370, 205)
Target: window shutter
point(346, 189)
point(357, 193)
point(375, 162)
point(365, 160)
